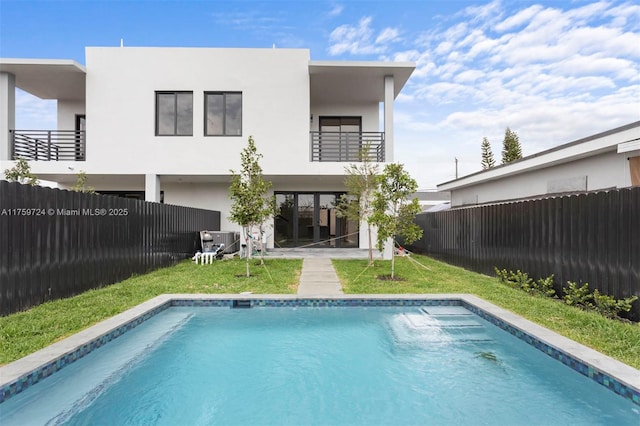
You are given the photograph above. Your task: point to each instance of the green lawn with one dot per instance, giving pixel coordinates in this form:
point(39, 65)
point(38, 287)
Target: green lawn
point(26, 332)
point(614, 338)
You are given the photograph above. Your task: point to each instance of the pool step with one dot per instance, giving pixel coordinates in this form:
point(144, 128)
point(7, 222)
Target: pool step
point(421, 328)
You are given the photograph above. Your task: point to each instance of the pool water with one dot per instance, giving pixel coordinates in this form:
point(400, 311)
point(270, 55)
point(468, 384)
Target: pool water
point(324, 366)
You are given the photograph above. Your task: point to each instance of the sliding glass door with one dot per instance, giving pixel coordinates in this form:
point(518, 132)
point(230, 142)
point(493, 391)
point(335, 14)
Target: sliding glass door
point(309, 219)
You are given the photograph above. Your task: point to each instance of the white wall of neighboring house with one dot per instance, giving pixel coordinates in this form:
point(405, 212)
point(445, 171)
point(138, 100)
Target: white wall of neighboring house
point(601, 161)
point(603, 171)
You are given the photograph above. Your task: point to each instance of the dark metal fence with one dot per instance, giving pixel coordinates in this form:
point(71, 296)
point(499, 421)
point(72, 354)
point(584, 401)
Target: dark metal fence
point(56, 243)
point(593, 237)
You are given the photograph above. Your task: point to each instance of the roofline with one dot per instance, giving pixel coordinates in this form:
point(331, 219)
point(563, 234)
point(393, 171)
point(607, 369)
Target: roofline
point(536, 155)
point(362, 64)
point(31, 61)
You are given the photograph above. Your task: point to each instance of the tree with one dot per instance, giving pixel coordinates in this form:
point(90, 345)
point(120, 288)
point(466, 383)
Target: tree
point(81, 184)
point(487, 155)
point(361, 182)
point(21, 172)
point(251, 205)
point(511, 149)
point(393, 212)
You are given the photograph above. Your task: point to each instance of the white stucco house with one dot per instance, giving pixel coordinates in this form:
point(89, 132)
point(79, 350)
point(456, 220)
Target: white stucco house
point(603, 161)
point(168, 124)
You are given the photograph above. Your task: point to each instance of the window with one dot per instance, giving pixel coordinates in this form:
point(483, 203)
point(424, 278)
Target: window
point(174, 113)
point(223, 114)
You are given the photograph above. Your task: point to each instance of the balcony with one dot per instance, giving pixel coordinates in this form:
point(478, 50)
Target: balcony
point(347, 146)
point(48, 145)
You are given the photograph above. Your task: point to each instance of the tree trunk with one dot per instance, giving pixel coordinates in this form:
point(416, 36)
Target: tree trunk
point(261, 247)
point(370, 246)
point(249, 250)
point(393, 258)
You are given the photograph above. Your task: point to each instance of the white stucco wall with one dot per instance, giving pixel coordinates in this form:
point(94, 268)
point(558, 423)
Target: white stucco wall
point(604, 170)
point(121, 87)
point(67, 111)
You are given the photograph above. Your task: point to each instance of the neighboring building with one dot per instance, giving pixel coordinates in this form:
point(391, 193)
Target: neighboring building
point(603, 161)
point(173, 121)
point(431, 199)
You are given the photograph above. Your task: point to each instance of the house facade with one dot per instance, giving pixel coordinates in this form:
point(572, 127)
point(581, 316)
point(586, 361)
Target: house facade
point(603, 161)
point(168, 124)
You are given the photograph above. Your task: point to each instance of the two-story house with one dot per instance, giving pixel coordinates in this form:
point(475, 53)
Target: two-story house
point(168, 124)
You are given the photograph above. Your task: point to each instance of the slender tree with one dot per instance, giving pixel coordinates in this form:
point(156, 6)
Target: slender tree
point(248, 190)
point(487, 155)
point(361, 182)
point(394, 213)
point(21, 172)
point(511, 149)
point(81, 184)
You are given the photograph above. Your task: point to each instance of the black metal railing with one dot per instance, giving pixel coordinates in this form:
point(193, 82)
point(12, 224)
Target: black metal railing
point(347, 146)
point(49, 145)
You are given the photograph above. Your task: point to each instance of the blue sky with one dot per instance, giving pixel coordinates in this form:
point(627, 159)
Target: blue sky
point(552, 71)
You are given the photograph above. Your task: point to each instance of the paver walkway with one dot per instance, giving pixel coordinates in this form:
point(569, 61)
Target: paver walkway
point(318, 278)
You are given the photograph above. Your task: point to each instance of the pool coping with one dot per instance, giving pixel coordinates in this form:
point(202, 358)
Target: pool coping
point(611, 373)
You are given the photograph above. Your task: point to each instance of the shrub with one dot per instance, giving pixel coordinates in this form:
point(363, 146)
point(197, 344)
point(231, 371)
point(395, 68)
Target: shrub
point(544, 286)
point(578, 296)
point(609, 307)
point(522, 281)
point(604, 304)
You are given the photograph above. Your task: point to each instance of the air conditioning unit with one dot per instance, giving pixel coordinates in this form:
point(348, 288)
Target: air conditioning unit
point(230, 239)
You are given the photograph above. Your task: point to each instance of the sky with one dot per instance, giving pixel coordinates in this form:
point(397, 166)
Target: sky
point(552, 71)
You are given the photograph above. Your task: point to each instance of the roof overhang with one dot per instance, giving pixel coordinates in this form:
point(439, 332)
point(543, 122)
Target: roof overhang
point(354, 81)
point(624, 138)
point(62, 79)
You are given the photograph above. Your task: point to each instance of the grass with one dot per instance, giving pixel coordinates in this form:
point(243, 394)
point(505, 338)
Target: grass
point(26, 332)
point(614, 338)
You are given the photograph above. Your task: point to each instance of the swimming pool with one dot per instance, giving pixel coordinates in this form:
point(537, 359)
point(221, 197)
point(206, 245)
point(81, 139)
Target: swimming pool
point(392, 361)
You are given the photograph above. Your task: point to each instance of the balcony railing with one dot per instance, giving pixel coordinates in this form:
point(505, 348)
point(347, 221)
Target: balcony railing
point(48, 145)
point(347, 146)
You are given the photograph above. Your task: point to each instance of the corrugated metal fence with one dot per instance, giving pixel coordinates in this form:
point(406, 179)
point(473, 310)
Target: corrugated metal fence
point(56, 243)
point(592, 238)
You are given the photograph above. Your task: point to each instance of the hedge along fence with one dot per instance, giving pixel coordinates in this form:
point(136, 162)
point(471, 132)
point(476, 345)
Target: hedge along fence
point(57, 243)
point(587, 238)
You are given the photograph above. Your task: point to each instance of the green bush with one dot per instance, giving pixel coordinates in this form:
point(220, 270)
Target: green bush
point(544, 286)
point(522, 281)
point(603, 304)
point(578, 296)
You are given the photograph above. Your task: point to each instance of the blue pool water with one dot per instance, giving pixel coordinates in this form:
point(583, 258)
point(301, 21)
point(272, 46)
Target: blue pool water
point(325, 366)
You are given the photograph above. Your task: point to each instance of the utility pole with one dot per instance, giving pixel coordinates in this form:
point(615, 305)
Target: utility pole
point(456, 158)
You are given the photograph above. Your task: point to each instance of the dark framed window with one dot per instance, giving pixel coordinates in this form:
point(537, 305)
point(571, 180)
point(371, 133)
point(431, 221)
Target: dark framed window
point(174, 113)
point(223, 113)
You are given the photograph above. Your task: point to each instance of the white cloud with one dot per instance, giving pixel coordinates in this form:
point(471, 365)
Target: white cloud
point(336, 10)
point(553, 74)
point(33, 113)
point(518, 19)
point(359, 40)
point(387, 35)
